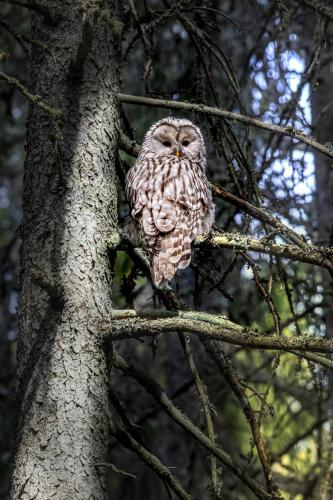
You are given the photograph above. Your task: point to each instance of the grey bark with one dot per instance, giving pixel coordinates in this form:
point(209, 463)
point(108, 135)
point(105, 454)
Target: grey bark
point(70, 211)
point(323, 114)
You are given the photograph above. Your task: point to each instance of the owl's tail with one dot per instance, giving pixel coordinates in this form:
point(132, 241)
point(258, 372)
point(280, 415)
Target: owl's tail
point(173, 252)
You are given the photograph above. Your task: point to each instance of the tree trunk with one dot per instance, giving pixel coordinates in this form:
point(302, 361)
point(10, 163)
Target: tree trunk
point(70, 212)
point(323, 110)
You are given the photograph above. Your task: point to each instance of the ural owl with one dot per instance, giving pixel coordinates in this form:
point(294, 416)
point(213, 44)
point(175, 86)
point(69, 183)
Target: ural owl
point(169, 196)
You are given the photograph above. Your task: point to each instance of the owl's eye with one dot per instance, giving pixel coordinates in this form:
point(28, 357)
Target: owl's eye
point(185, 143)
point(167, 144)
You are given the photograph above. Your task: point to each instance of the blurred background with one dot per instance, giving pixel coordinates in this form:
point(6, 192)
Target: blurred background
point(265, 58)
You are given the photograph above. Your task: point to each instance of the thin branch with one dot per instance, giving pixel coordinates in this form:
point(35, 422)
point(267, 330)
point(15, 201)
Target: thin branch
point(151, 460)
point(127, 145)
point(14, 82)
point(297, 439)
point(320, 256)
point(16, 36)
point(261, 214)
point(215, 11)
point(237, 241)
point(115, 469)
point(315, 358)
point(318, 7)
point(153, 388)
point(254, 122)
point(130, 324)
point(206, 407)
point(228, 372)
point(40, 8)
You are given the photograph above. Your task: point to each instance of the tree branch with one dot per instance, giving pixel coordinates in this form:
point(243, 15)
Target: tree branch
point(237, 241)
point(130, 324)
point(320, 256)
point(318, 7)
point(153, 388)
point(127, 145)
point(224, 365)
point(259, 213)
point(14, 82)
point(248, 120)
point(125, 438)
point(38, 7)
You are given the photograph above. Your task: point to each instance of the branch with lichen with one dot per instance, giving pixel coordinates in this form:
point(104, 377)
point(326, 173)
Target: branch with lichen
point(131, 324)
point(320, 256)
point(170, 301)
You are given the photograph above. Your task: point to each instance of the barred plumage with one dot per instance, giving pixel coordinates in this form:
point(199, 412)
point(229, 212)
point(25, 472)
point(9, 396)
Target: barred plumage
point(169, 197)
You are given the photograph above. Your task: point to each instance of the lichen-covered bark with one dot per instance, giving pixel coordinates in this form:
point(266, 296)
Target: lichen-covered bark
point(69, 215)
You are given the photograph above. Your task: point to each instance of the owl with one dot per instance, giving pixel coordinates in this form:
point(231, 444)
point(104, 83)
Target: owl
point(169, 196)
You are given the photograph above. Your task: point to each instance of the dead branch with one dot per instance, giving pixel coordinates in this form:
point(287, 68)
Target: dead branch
point(153, 388)
point(248, 120)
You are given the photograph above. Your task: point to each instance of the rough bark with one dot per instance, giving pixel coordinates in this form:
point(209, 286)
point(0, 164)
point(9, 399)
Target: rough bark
point(70, 212)
point(323, 116)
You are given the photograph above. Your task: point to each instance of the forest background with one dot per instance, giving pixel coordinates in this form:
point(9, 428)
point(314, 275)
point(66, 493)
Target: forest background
point(267, 266)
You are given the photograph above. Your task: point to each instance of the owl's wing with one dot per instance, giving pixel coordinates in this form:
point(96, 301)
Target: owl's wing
point(169, 200)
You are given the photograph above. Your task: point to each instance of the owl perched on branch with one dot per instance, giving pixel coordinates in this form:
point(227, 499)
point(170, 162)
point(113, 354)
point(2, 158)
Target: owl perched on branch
point(169, 196)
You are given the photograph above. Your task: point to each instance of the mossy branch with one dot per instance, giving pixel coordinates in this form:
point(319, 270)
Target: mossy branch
point(131, 324)
point(319, 256)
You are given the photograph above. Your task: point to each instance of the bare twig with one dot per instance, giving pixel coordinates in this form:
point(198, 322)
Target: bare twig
point(14, 82)
point(206, 407)
point(254, 122)
point(127, 440)
point(224, 365)
point(318, 7)
point(39, 7)
point(153, 388)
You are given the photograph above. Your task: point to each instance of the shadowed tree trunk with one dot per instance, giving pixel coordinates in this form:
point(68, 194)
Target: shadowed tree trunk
point(323, 113)
point(70, 211)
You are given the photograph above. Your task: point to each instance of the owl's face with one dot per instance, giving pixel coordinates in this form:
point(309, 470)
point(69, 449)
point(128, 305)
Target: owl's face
point(178, 138)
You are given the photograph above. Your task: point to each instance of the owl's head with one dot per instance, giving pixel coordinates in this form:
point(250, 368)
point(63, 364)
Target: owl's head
point(174, 137)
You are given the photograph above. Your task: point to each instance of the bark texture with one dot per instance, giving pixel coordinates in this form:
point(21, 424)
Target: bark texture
point(70, 212)
point(323, 115)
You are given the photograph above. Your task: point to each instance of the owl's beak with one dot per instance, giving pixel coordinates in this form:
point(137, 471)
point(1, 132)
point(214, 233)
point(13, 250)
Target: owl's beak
point(178, 153)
